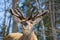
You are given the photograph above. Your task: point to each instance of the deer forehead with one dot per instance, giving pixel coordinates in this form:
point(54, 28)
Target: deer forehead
point(28, 23)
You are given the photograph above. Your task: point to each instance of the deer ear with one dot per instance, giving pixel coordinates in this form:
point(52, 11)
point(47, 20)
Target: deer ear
point(37, 20)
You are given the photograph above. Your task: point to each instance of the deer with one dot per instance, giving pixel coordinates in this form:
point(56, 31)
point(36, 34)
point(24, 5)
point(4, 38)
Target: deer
point(27, 25)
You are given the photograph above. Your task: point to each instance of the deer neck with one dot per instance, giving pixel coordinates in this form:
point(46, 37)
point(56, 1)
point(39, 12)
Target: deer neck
point(28, 37)
point(29, 34)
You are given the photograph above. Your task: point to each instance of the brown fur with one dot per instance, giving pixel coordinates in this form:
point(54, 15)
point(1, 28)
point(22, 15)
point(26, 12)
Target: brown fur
point(20, 36)
point(13, 36)
point(28, 34)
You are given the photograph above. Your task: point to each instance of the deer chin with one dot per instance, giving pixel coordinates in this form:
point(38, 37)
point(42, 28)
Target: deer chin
point(27, 32)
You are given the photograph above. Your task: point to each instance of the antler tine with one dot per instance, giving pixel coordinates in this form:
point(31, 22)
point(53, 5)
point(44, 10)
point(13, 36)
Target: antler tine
point(43, 13)
point(21, 13)
point(17, 12)
point(40, 14)
point(13, 13)
point(46, 11)
point(31, 15)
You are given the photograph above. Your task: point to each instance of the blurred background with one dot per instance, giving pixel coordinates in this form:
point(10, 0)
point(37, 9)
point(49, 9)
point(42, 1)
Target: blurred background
point(47, 29)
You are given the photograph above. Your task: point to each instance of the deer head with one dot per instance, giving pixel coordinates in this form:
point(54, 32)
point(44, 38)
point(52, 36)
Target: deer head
point(27, 22)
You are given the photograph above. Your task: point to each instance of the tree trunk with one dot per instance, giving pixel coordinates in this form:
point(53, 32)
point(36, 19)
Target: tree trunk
point(52, 15)
point(15, 26)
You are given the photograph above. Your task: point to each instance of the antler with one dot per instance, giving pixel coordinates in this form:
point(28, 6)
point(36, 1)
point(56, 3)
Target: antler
point(18, 13)
point(39, 15)
point(13, 13)
point(30, 14)
point(21, 13)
